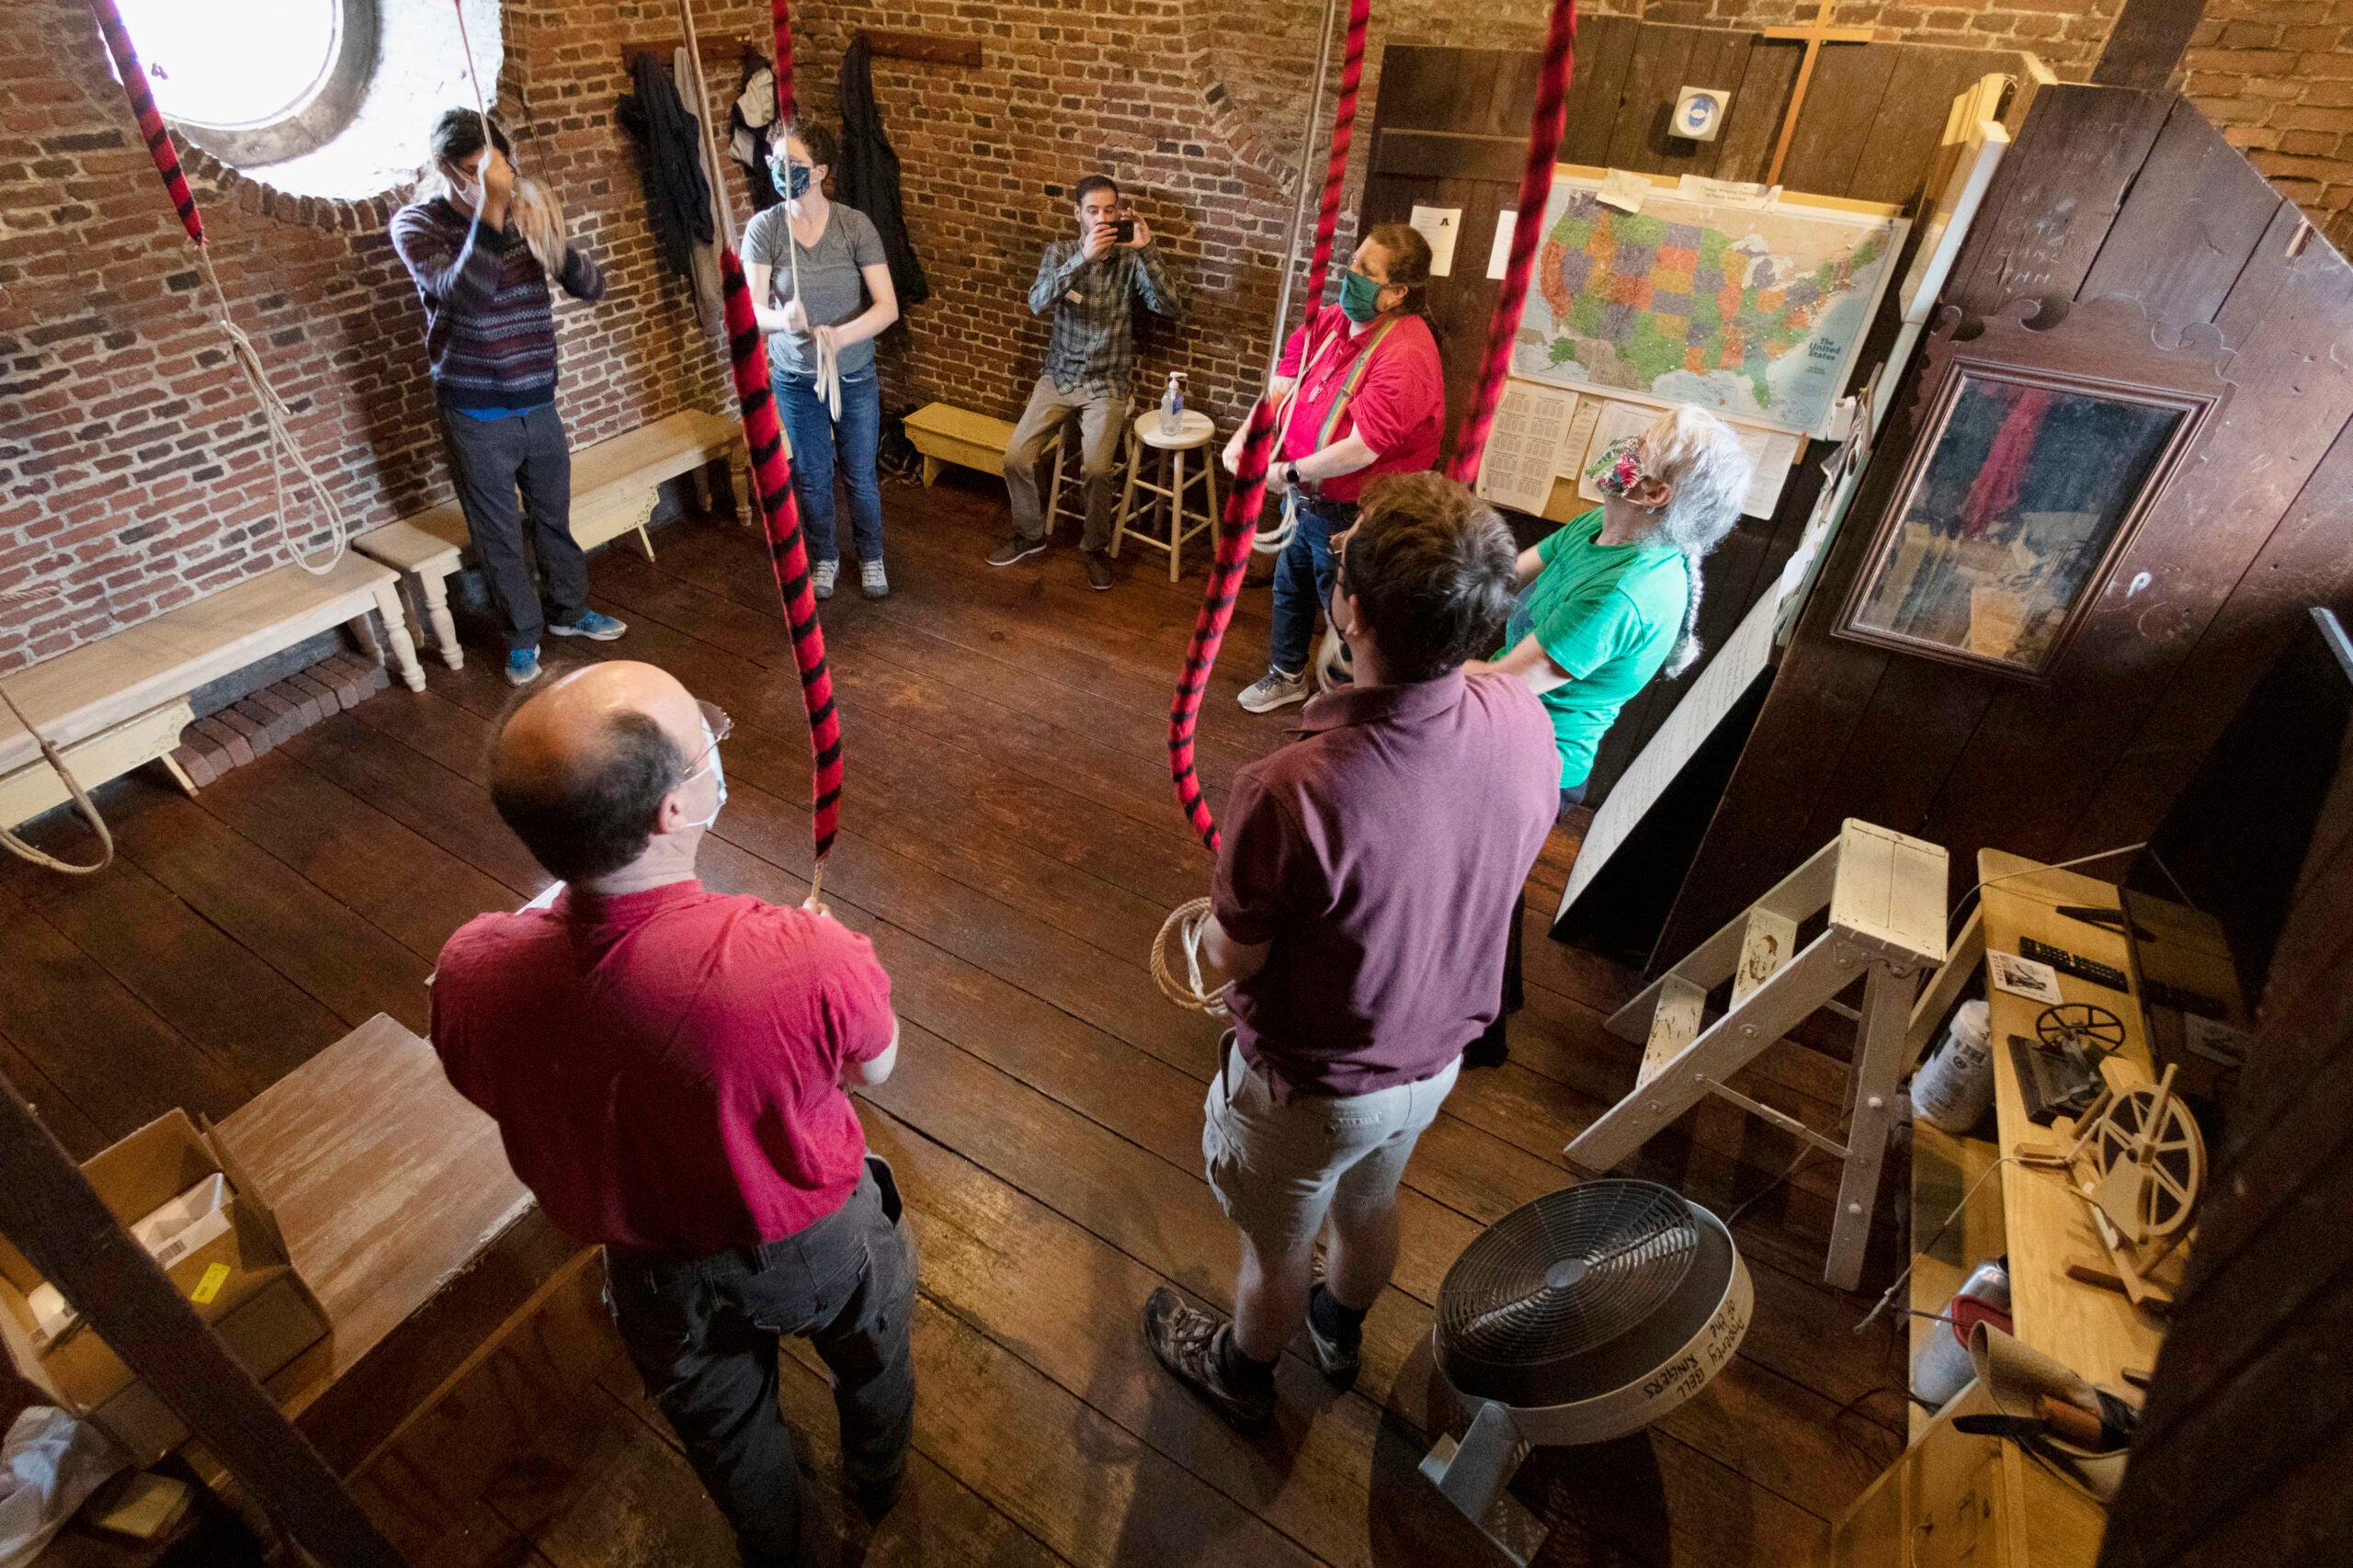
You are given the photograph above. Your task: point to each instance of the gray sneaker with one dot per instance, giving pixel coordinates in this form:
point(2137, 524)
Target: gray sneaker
point(871, 580)
point(1272, 690)
point(822, 577)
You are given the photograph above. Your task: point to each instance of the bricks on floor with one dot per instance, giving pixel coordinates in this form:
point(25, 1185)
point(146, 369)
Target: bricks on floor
point(275, 714)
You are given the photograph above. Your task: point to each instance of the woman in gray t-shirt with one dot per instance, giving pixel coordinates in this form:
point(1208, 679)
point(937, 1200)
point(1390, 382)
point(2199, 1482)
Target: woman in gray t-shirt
point(839, 260)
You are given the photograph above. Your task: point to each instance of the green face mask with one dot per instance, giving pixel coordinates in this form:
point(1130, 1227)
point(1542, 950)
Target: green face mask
point(1360, 296)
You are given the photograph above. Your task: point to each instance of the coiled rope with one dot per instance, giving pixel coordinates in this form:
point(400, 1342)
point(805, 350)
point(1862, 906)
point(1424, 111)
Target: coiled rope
point(285, 455)
point(772, 468)
point(1237, 538)
point(50, 754)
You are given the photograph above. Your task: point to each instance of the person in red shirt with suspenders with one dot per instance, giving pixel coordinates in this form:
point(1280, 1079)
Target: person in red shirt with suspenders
point(1361, 394)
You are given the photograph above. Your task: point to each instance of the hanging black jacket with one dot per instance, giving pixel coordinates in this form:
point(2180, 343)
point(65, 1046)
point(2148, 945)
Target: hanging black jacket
point(868, 177)
point(678, 198)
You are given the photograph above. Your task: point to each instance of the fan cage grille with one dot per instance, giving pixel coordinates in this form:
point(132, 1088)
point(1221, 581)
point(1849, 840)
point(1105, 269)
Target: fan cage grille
point(1568, 1273)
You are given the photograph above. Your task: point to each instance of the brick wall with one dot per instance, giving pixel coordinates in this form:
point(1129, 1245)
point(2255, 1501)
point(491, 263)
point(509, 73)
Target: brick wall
point(130, 465)
point(2277, 76)
point(131, 468)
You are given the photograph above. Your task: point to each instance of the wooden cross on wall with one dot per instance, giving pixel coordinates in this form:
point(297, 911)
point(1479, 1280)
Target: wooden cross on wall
point(1814, 34)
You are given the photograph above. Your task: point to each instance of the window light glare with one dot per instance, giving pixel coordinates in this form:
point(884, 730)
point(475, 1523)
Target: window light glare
point(231, 62)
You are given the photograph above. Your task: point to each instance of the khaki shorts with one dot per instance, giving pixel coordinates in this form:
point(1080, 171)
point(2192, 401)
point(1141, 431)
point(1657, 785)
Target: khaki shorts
point(1279, 1169)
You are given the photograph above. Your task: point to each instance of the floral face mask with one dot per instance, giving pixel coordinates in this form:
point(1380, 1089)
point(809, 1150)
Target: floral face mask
point(1619, 466)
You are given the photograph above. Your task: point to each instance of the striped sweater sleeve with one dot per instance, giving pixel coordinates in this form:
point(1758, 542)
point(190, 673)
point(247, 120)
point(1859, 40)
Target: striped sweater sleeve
point(453, 271)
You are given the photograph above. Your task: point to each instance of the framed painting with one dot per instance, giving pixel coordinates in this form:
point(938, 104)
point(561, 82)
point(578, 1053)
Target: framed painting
point(2019, 498)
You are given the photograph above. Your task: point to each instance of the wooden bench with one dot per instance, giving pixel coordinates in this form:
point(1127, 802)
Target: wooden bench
point(120, 703)
point(944, 434)
point(614, 485)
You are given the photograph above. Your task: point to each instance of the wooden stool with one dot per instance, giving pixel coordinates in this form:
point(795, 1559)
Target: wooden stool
point(1057, 450)
point(1196, 433)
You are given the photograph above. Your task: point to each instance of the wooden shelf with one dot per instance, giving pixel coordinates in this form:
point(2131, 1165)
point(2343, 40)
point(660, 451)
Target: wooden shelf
point(1944, 1167)
point(2097, 1332)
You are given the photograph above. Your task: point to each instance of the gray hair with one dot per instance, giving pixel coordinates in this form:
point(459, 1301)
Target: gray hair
point(1698, 455)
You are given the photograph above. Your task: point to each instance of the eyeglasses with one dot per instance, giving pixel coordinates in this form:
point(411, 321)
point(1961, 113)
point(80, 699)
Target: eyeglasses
point(1340, 551)
point(721, 726)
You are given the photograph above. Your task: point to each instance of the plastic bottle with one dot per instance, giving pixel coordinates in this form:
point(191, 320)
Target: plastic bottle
point(1955, 1085)
point(1172, 405)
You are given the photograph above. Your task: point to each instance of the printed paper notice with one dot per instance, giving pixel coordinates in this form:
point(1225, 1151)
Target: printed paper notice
point(1439, 225)
point(2023, 977)
point(1625, 190)
point(1530, 424)
point(1499, 253)
point(1569, 461)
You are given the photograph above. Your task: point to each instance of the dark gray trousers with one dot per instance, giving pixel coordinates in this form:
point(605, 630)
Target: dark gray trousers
point(703, 1334)
point(490, 459)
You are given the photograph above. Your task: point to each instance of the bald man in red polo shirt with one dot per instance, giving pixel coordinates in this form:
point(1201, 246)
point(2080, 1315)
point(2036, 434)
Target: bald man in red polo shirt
point(666, 1067)
point(1363, 885)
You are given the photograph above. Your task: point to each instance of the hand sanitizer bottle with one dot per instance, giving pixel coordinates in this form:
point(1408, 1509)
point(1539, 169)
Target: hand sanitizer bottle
point(1172, 405)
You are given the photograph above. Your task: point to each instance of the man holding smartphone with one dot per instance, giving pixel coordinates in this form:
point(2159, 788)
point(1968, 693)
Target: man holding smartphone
point(1089, 283)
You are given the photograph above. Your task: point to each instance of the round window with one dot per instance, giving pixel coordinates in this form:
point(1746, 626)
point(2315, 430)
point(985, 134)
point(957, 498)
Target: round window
point(256, 82)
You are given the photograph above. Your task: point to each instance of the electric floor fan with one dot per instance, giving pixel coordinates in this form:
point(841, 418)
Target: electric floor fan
point(1580, 1317)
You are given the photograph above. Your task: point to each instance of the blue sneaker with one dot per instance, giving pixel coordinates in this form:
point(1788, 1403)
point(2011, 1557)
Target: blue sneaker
point(522, 666)
point(595, 626)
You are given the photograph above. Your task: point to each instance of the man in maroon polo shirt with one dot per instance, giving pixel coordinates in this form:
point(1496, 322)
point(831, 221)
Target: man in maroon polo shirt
point(666, 1067)
point(1358, 908)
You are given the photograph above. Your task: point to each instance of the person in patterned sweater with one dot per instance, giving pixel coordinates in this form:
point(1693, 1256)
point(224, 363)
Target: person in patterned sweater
point(483, 246)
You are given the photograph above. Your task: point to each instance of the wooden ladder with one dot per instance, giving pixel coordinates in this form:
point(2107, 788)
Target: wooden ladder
point(1886, 894)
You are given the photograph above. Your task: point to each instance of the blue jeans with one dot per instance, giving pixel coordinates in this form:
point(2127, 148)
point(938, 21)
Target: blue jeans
point(815, 438)
point(1303, 581)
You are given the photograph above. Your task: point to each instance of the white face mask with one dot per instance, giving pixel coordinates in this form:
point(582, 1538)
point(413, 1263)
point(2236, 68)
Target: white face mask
point(710, 740)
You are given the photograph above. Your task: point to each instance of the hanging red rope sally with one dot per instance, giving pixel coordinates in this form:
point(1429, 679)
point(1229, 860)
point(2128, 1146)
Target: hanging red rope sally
point(1535, 190)
point(1244, 500)
point(150, 120)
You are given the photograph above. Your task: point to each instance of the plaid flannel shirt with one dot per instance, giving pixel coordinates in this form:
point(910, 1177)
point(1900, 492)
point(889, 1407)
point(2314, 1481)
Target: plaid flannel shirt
point(1094, 347)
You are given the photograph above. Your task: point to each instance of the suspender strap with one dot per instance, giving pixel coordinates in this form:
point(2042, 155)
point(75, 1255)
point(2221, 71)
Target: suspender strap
point(1356, 379)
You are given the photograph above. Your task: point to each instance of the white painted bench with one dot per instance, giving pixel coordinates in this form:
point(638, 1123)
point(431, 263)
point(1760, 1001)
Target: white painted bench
point(120, 703)
point(614, 484)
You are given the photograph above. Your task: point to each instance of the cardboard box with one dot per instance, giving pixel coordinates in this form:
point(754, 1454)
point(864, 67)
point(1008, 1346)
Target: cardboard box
point(240, 1280)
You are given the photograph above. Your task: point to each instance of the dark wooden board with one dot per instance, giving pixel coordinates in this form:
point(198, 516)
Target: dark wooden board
point(2191, 228)
point(1835, 123)
point(1759, 102)
point(2048, 212)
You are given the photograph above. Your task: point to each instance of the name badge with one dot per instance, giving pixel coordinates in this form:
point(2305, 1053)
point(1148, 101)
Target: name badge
point(1074, 298)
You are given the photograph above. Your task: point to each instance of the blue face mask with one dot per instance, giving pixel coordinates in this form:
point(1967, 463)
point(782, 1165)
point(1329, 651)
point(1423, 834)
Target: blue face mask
point(1360, 296)
point(790, 178)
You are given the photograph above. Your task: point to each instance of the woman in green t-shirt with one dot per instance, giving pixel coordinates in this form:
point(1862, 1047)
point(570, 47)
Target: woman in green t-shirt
point(1608, 599)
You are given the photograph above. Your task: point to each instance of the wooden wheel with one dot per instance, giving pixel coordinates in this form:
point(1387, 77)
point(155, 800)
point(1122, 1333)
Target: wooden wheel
point(2084, 1024)
point(2176, 1156)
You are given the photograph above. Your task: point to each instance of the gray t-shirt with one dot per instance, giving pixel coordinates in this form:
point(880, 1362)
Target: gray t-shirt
point(829, 274)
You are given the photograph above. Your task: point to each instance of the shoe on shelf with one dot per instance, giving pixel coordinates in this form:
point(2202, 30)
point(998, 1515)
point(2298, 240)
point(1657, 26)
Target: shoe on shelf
point(822, 577)
point(1015, 548)
point(1098, 570)
point(1272, 690)
point(522, 666)
point(596, 627)
point(871, 580)
point(1191, 1344)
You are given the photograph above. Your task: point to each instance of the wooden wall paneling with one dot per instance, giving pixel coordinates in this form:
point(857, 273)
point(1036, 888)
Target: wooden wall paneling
point(1758, 101)
point(2043, 751)
point(2146, 43)
point(2183, 240)
point(1902, 141)
point(1850, 84)
point(2303, 563)
point(2239, 1458)
point(1639, 139)
point(1605, 57)
point(2047, 214)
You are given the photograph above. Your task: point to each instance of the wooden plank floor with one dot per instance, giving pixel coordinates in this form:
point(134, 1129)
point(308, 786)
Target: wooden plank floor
point(1010, 845)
